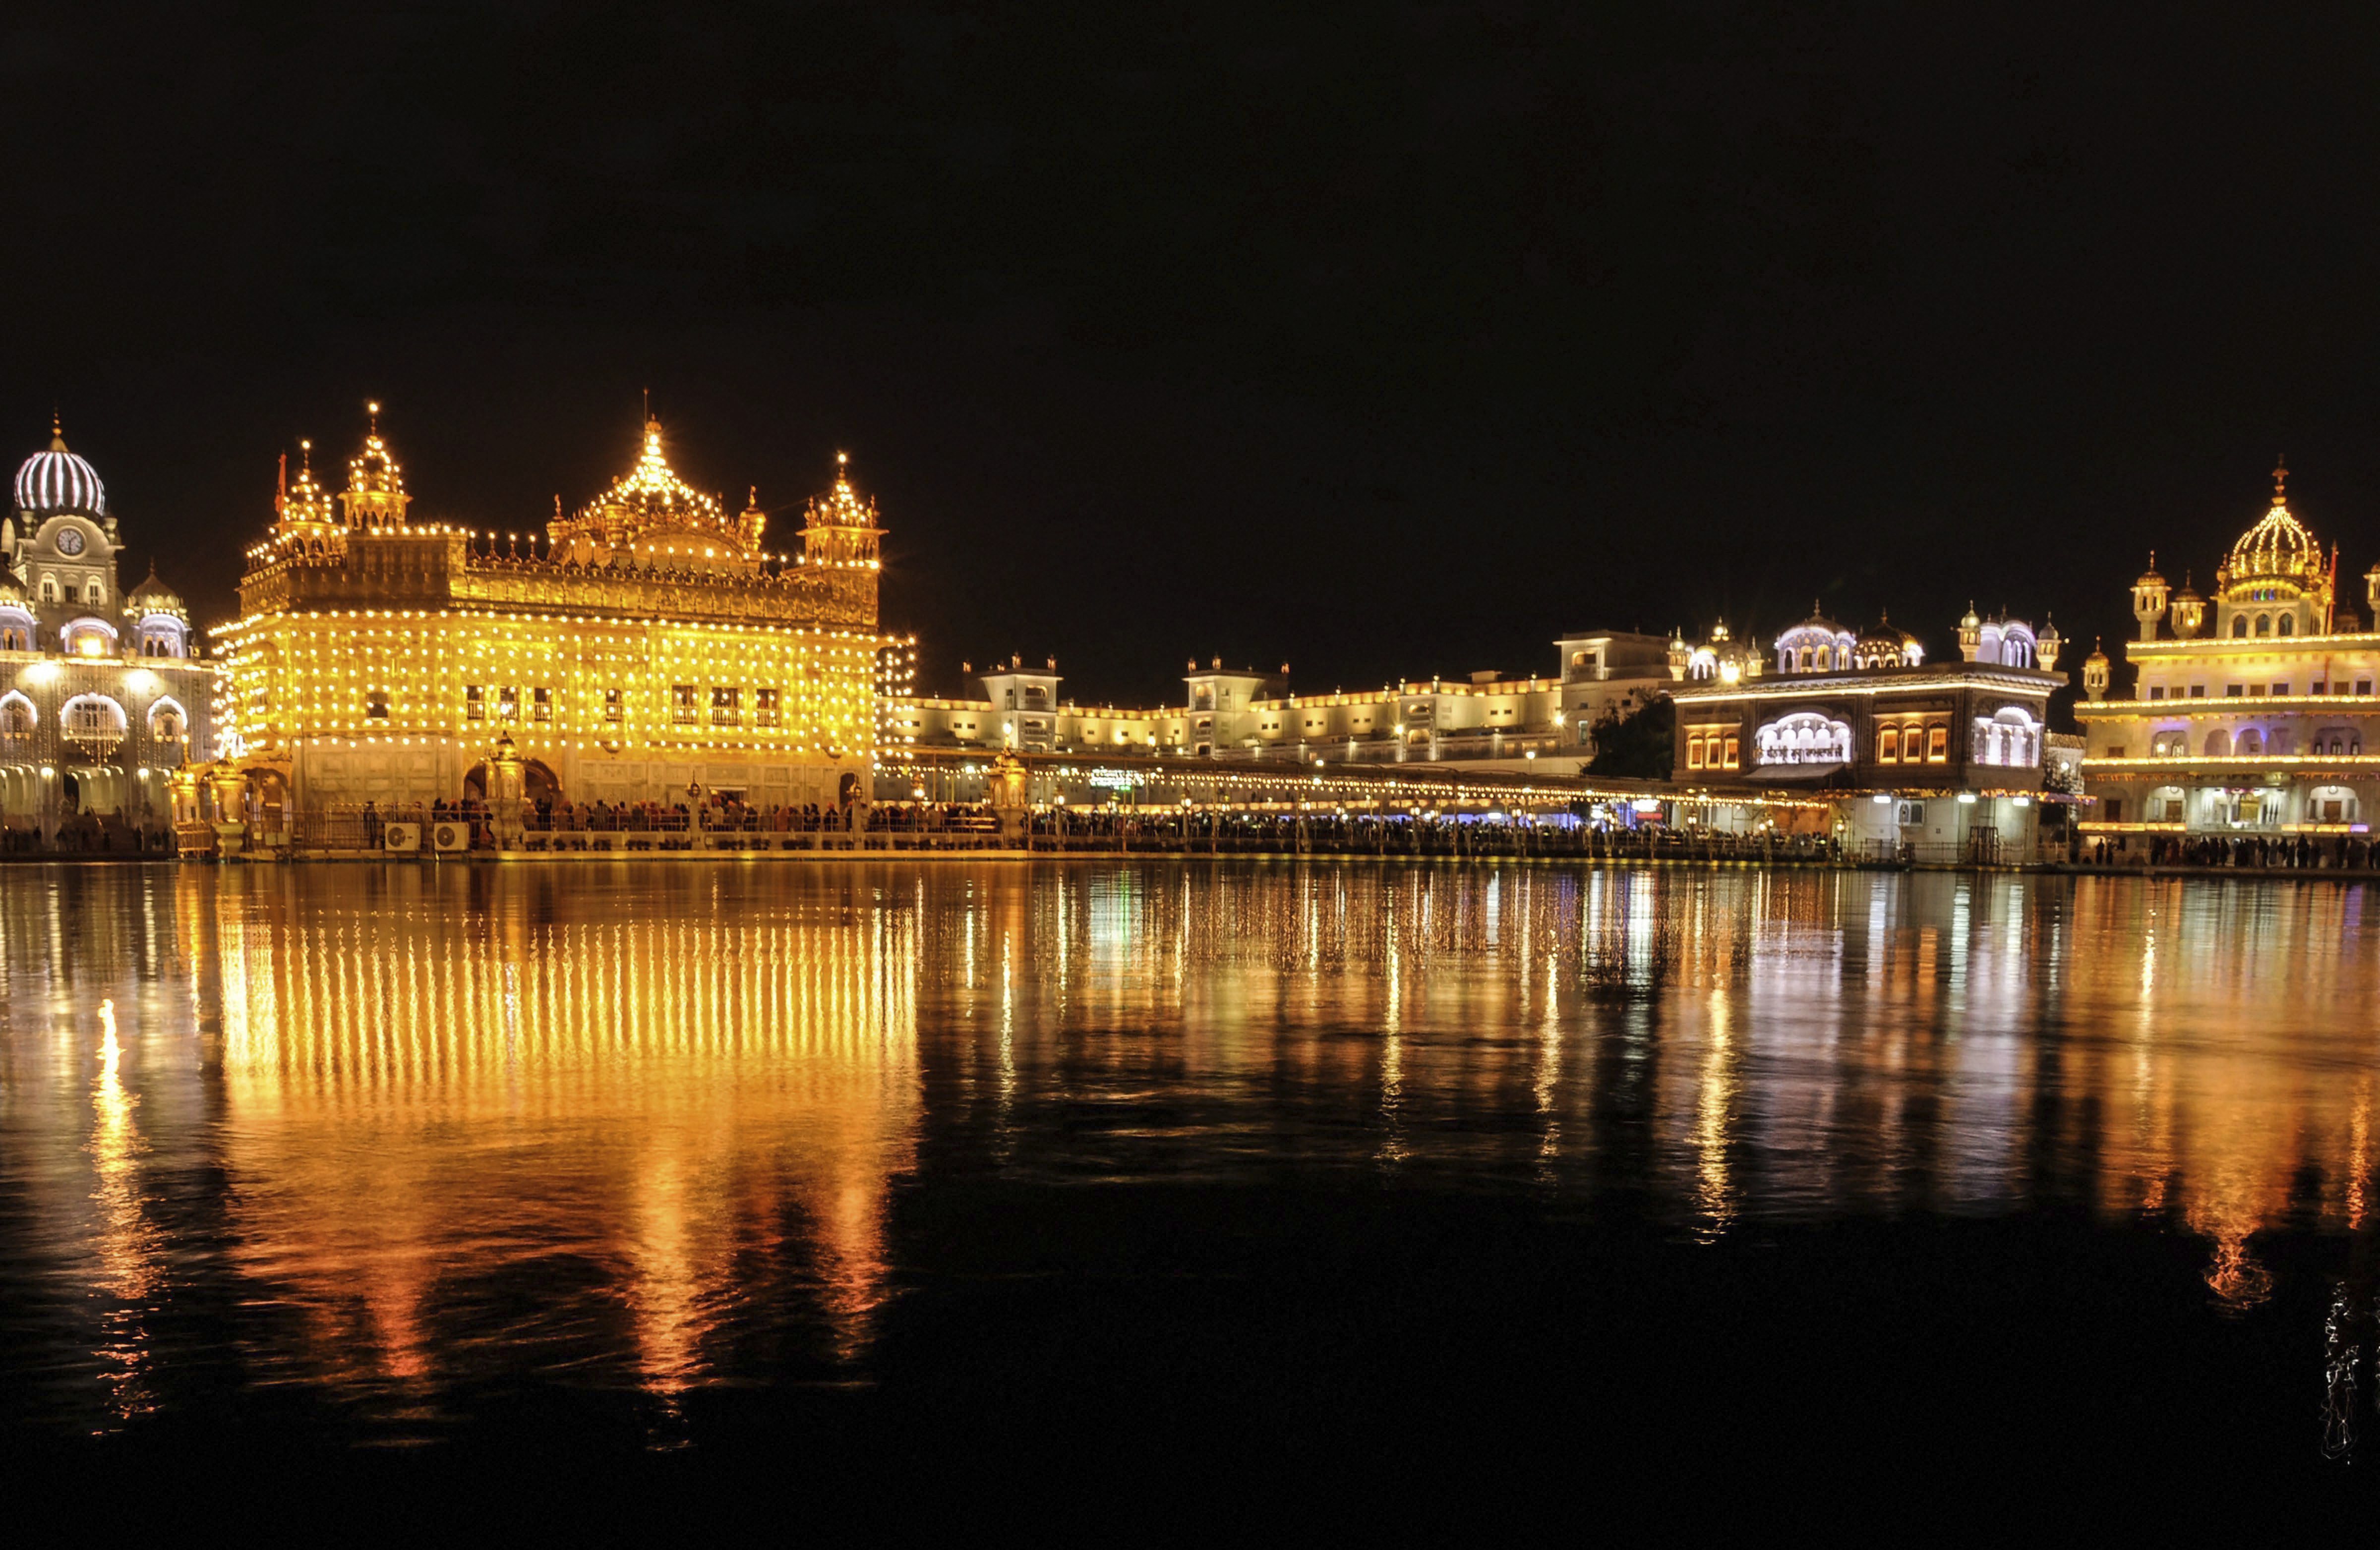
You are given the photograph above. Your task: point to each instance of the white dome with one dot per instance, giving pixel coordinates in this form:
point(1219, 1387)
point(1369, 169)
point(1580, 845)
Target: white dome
point(57, 480)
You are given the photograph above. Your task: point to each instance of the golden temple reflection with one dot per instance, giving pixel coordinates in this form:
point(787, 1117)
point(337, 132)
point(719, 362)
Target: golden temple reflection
point(436, 1104)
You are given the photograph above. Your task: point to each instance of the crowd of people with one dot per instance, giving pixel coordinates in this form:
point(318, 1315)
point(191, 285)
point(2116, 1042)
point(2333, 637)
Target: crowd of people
point(2292, 853)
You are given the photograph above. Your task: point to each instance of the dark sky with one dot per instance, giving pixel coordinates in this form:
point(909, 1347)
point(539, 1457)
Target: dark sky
point(1380, 339)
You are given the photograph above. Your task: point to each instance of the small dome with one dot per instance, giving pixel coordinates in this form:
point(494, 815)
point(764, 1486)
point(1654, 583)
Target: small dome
point(1969, 621)
point(307, 501)
point(373, 470)
point(1885, 647)
point(57, 480)
point(2189, 594)
point(154, 596)
point(840, 506)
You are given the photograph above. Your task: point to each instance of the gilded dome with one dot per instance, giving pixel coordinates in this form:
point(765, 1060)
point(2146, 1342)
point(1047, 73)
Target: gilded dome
point(373, 470)
point(306, 501)
point(651, 499)
point(2277, 547)
point(57, 480)
point(841, 506)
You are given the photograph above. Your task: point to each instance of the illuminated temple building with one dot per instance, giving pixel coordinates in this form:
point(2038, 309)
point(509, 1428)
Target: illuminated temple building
point(1939, 759)
point(102, 693)
point(648, 648)
point(2250, 711)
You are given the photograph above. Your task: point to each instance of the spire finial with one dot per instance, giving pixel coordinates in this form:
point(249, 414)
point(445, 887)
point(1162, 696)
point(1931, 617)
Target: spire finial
point(2280, 480)
point(57, 431)
point(305, 457)
point(372, 417)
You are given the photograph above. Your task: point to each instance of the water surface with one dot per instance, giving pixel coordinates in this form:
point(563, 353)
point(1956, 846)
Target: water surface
point(1264, 1158)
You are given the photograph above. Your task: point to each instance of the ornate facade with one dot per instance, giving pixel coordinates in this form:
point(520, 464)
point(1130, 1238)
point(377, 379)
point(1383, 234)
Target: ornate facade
point(2250, 711)
point(101, 691)
point(646, 648)
point(1948, 757)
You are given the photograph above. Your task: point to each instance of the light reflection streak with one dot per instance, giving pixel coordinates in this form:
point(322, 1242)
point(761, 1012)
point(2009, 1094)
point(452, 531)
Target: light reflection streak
point(128, 1245)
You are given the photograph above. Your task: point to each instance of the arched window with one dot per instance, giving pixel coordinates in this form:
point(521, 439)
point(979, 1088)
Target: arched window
point(2219, 744)
point(2288, 625)
point(16, 717)
point(49, 589)
point(1887, 745)
point(2263, 624)
point(2238, 626)
point(2249, 743)
point(93, 592)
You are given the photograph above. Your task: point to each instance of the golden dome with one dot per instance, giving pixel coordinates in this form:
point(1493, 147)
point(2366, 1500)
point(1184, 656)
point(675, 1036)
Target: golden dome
point(651, 495)
point(650, 501)
point(373, 471)
point(2279, 547)
point(307, 501)
point(840, 506)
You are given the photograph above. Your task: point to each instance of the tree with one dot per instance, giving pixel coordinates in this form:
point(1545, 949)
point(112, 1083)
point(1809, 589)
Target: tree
point(1642, 743)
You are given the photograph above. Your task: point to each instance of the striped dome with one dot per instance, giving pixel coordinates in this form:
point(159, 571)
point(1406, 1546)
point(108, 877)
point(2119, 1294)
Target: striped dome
point(57, 480)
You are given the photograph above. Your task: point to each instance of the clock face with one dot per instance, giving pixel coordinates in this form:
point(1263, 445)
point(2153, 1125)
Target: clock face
point(70, 541)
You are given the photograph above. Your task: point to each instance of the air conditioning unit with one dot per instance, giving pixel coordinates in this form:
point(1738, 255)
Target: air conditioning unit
point(402, 838)
point(453, 835)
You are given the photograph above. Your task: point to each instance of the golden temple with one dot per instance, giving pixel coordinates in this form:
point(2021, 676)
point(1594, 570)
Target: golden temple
point(646, 649)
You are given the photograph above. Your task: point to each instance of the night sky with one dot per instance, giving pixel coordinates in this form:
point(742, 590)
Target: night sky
point(1382, 340)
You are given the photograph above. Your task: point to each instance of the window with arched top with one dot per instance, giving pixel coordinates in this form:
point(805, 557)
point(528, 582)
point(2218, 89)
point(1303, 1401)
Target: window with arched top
point(1887, 745)
point(2288, 625)
point(2218, 743)
point(93, 592)
point(49, 589)
point(2238, 626)
point(2249, 743)
point(16, 716)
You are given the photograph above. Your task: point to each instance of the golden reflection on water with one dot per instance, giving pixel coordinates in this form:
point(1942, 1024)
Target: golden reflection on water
point(423, 1090)
point(632, 1125)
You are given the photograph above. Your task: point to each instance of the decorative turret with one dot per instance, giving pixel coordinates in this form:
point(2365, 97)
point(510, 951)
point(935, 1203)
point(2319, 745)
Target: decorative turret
point(2095, 673)
point(2046, 645)
point(375, 495)
point(304, 502)
point(2188, 612)
point(1681, 655)
point(2149, 598)
point(2371, 590)
point(842, 528)
point(1970, 632)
